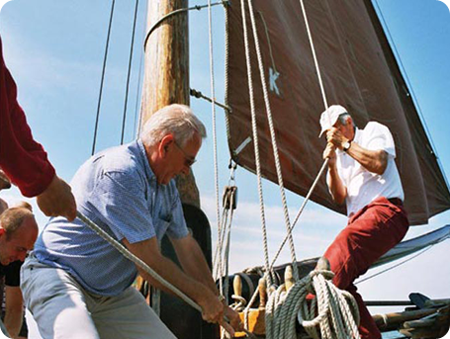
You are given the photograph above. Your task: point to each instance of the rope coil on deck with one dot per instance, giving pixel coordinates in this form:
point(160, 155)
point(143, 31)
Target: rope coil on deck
point(335, 309)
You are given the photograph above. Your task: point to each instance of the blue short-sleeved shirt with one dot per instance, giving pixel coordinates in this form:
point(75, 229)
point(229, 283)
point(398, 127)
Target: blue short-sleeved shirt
point(116, 189)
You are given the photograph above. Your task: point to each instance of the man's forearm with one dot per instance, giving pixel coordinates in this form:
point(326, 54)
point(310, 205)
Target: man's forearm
point(168, 270)
point(337, 188)
point(373, 161)
point(13, 310)
point(194, 264)
point(13, 322)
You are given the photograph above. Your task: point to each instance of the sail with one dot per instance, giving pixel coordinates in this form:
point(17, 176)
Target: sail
point(359, 71)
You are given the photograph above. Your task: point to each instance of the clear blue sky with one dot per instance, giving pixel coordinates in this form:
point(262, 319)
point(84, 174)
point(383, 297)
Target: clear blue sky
point(55, 48)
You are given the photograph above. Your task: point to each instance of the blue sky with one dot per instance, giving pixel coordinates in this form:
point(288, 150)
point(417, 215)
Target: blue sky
point(55, 48)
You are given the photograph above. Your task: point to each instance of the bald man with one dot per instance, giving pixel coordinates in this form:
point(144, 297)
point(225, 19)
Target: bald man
point(18, 232)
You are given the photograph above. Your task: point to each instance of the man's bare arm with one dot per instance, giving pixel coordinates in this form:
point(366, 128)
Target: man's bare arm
point(194, 264)
point(193, 261)
point(373, 161)
point(13, 310)
point(149, 252)
point(337, 188)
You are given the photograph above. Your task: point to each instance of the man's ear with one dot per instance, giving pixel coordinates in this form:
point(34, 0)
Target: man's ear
point(350, 121)
point(2, 231)
point(164, 144)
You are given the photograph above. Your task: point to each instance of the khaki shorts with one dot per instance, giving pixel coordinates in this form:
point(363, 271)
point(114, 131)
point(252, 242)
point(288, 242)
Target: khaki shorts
point(63, 309)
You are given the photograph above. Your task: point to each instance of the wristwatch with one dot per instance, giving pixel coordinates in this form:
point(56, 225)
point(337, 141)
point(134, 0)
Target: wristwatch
point(346, 146)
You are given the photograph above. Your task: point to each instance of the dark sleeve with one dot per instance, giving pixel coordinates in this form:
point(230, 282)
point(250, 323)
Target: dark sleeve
point(12, 273)
point(22, 159)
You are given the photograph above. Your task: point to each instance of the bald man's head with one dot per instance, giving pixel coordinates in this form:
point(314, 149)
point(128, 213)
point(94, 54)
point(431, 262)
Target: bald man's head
point(18, 232)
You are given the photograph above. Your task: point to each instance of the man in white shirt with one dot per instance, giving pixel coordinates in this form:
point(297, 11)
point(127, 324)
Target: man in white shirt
point(363, 174)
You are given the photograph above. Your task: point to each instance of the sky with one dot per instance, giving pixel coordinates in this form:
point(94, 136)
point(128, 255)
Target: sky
point(54, 49)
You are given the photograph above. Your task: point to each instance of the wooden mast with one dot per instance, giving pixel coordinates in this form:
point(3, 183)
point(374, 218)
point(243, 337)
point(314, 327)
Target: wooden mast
point(166, 76)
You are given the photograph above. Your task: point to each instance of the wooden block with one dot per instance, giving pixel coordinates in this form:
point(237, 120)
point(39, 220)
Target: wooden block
point(256, 322)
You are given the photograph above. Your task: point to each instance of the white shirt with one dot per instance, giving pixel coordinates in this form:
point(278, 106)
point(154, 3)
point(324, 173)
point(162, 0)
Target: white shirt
point(363, 186)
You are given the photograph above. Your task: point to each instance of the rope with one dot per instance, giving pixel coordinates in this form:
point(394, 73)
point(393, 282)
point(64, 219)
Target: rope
point(228, 242)
point(226, 75)
point(325, 163)
point(411, 92)
point(256, 145)
point(302, 207)
point(138, 123)
point(396, 265)
point(313, 51)
point(179, 11)
point(129, 71)
point(200, 95)
point(219, 247)
point(335, 309)
point(274, 141)
point(214, 131)
point(221, 271)
point(103, 77)
point(130, 256)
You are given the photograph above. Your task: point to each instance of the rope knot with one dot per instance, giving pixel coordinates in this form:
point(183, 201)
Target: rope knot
point(328, 275)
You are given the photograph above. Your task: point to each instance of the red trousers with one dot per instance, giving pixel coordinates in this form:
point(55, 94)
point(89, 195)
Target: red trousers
point(369, 234)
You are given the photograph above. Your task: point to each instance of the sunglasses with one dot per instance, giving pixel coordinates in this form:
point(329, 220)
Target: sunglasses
point(188, 160)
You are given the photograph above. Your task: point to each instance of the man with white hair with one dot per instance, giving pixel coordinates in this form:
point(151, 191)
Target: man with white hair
point(76, 285)
point(363, 174)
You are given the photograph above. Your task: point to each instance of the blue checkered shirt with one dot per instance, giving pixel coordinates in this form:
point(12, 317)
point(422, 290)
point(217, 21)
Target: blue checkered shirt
point(118, 191)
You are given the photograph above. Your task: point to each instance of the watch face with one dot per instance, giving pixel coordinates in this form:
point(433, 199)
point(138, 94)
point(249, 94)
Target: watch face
point(346, 146)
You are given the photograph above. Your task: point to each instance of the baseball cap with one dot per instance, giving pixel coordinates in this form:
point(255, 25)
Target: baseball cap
point(330, 116)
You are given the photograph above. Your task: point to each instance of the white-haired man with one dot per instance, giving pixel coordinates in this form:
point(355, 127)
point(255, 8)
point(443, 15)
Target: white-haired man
point(362, 172)
point(78, 286)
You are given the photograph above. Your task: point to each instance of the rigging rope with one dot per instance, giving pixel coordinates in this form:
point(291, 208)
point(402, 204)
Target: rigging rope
point(268, 276)
point(103, 76)
point(137, 123)
point(313, 51)
point(273, 138)
point(302, 207)
point(179, 11)
point(325, 102)
point(396, 265)
point(433, 149)
point(278, 322)
point(214, 132)
point(200, 95)
point(129, 72)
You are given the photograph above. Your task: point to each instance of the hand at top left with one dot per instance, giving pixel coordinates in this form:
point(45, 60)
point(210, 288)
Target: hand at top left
point(58, 200)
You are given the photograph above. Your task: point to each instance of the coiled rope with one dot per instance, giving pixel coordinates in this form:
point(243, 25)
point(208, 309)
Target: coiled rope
point(331, 313)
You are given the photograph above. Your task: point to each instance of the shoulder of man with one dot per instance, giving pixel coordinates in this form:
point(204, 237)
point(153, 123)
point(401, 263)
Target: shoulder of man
point(120, 159)
point(374, 129)
point(373, 126)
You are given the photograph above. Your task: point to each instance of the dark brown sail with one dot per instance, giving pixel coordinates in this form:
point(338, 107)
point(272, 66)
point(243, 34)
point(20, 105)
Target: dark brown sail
point(359, 71)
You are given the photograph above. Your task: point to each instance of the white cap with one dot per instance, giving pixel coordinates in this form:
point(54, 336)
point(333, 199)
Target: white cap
point(330, 116)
